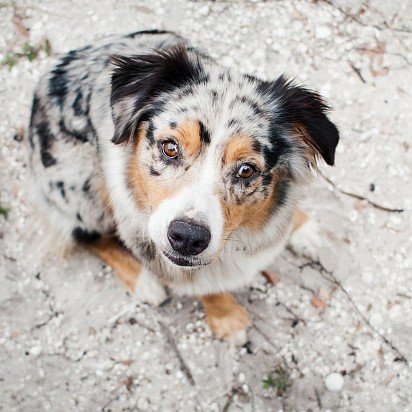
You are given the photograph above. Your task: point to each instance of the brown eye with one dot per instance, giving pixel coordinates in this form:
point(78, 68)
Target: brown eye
point(170, 149)
point(246, 171)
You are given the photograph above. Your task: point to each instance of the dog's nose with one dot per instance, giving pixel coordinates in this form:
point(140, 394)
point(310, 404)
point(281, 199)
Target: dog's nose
point(188, 238)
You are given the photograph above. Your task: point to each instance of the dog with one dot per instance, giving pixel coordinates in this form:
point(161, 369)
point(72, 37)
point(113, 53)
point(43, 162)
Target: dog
point(174, 170)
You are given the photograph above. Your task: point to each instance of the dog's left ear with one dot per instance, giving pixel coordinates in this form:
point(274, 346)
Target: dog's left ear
point(303, 112)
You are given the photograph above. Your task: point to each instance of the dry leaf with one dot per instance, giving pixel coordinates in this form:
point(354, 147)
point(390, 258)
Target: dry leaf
point(271, 277)
point(126, 362)
point(317, 302)
point(18, 24)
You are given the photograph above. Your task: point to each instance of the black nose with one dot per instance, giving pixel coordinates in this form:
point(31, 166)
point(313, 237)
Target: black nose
point(188, 238)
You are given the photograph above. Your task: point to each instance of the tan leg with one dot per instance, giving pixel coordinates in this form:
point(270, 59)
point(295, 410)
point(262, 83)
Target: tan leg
point(124, 265)
point(227, 319)
point(138, 280)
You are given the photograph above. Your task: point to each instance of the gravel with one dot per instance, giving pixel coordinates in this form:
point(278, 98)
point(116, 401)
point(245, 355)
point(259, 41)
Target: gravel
point(70, 336)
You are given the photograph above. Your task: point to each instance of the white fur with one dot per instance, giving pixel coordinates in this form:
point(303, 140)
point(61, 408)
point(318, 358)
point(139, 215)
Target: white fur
point(307, 240)
point(149, 289)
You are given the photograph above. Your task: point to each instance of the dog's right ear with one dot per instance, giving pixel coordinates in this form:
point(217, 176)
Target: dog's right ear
point(139, 79)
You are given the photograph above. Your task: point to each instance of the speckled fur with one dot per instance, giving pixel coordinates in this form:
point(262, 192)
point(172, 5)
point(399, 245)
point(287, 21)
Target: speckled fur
point(76, 122)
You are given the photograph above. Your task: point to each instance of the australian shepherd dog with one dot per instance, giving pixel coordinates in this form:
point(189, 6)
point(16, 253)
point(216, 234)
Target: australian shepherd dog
point(178, 172)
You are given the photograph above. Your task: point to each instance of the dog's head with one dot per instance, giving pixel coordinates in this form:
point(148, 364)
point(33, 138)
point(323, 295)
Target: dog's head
point(212, 149)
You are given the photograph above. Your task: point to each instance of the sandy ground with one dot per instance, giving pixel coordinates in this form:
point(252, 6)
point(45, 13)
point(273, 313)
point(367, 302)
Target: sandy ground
point(70, 336)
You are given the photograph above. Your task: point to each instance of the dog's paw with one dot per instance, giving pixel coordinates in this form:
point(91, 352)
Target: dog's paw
point(231, 325)
point(307, 241)
point(149, 289)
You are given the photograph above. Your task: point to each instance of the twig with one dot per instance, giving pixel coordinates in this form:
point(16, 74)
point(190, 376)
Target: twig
point(359, 197)
point(318, 265)
point(357, 71)
point(183, 366)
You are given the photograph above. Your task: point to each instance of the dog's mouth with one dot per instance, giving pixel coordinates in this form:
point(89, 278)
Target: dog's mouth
point(184, 261)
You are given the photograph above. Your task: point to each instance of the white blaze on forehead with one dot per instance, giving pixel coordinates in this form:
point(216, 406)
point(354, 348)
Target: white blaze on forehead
point(198, 202)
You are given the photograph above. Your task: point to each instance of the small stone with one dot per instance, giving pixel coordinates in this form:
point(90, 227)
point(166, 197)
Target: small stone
point(242, 377)
point(334, 382)
point(36, 350)
point(323, 32)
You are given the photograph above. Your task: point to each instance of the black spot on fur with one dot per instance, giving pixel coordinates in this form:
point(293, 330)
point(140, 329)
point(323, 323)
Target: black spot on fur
point(85, 236)
point(213, 94)
point(153, 171)
point(280, 146)
point(204, 133)
point(281, 193)
point(58, 81)
point(78, 217)
point(173, 125)
point(232, 122)
point(77, 103)
point(145, 77)
point(60, 186)
point(46, 139)
point(257, 110)
point(297, 105)
point(81, 136)
point(86, 186)
point(150, 133)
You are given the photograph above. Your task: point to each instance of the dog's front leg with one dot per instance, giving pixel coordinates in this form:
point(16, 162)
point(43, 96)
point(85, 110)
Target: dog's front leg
point(138, 280)
point(227, 319)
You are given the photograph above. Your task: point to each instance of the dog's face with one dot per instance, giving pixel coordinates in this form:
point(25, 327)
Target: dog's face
point(212, 151)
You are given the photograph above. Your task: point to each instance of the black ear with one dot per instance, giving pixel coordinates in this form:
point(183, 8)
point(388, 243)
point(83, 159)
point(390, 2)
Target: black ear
point(303, 112)
point(137, 80)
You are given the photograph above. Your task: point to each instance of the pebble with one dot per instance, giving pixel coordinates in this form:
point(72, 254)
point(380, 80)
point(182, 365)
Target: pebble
point(323, 32)
point(36, 350)
point(334, 382)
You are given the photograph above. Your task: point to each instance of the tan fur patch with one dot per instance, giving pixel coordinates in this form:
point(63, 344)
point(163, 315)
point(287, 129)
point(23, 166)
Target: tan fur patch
point(104, 195)
point(224, 315)
point(125, 266)
point(313, 150)
point(189, 137)
point(251, 216)
point(238, 148)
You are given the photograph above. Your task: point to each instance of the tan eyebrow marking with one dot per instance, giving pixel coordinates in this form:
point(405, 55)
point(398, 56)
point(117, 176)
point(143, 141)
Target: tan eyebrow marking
point(238, 147)
point(188, 135)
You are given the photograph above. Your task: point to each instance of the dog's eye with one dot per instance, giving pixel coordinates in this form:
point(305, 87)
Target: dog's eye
point(246, 171)
point(170, 149)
